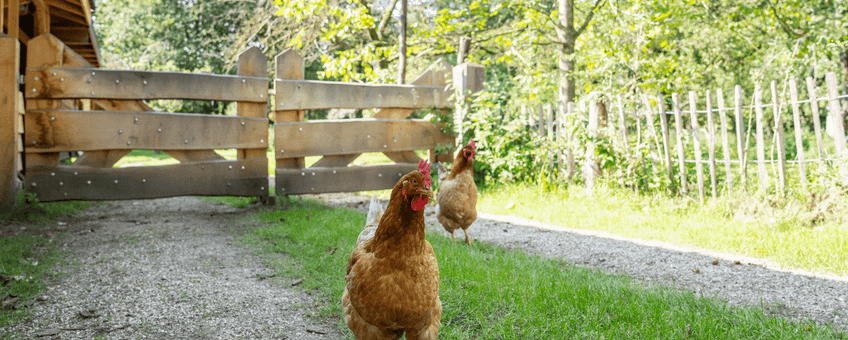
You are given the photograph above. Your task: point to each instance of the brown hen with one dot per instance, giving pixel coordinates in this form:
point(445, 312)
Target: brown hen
point(457, 194)
point(392, 274)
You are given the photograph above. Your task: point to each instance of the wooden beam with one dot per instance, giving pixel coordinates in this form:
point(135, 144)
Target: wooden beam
point(62, 13)
point(42, 17)
point(100, 158)
point(188, 156)
point(355, 136)
point(217, 178)
point(318, 95)
point(288, 65)
point(114, 84)
point(252, 63)
point(13, 20)
point(97, 61)
point(45, 51)
point(9, 136)
point(68, 130)
point(342, 179)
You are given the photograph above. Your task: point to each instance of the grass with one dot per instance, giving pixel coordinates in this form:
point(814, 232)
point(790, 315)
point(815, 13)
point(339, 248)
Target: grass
point(491, 293)
point(27, 260)
point(778, 231)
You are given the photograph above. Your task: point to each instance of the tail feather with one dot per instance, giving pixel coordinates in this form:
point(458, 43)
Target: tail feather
point(375, 213)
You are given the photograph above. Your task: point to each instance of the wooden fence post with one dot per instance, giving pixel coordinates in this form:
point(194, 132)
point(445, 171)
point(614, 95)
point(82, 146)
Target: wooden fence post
point(681, 156)
point(568, 121)
point(725, 144)
point(761, 152)
point(652, 131)
point(799, 142)
point(590, 165)
point(741, 149)
point(711, 144)
point(696, 138)
point(550, 137)
point(10, 119)
point(468, 78)
point(288, 65)
point(837, 118)
point(666, 140)
point(814, 108)
point(622, 126)
point(781, 147)
point(253, 63)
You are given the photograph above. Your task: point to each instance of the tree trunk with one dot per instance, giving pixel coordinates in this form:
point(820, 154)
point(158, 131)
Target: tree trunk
point(402, 65)
point(566, 56)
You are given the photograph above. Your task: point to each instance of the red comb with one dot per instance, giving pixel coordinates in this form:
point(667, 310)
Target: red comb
point(424, 169)
point(473, 146)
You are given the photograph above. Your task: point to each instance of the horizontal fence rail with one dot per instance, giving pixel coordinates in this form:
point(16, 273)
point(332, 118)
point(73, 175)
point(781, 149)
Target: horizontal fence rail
point(245, 177)
point(356, 136)
point(75, 83)
point(68, 130)
point(318, 95)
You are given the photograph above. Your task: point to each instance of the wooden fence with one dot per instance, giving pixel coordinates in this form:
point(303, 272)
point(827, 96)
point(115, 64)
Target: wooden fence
point(639, 116)
point(60, 89)
point(11, 120)
point(341, 141)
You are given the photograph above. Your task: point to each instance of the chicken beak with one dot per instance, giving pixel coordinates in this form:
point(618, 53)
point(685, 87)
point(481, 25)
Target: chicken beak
point(427, 192)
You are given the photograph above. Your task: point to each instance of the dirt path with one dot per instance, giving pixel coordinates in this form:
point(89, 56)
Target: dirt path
point(167, 269)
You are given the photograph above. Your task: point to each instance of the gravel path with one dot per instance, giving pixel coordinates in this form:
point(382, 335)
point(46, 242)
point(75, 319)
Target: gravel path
point(173, 269)
point(737, 279)
point(167, 269)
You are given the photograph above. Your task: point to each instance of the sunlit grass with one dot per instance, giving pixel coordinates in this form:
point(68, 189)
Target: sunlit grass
point(724, 225)
point(491, 293)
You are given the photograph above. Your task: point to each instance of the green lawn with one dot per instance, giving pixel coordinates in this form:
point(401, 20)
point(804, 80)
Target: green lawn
point(490, 293)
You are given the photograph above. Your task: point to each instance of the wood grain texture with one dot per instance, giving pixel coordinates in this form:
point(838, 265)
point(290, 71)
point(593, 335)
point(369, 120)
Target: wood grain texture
point(57, 82)
point(288, 65)
point(67, 130)
point(253, 63)
point(342, 137)
point(9, 117)
point(220, 178)
point(319, 95)
point(342, 179)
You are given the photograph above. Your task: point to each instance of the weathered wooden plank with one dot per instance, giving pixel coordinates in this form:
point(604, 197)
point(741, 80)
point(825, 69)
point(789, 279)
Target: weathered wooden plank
point(9, 133)
point(341, 179)
point(780, 143)
point(814, 108)
point(402, 156)
point(569, 137)
point(218, 178)
point(58, 82)
point(741, 144)
point(188, 156)
point(46, 51)
point(252, 62)
point(711, 144)
point(100, 158)
point(67, 130)
point(310, 138)
point(799, 141)
point(13, 19)
point(622, 126)
point(681, 156)
point(725, 146)
point(652, 131)
point(590, 164)
point(41, 18)
point(696, 141)
point(288, 65)
point(317, 95)
point(836, 118)
point(669, 167)
point(761, 151)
